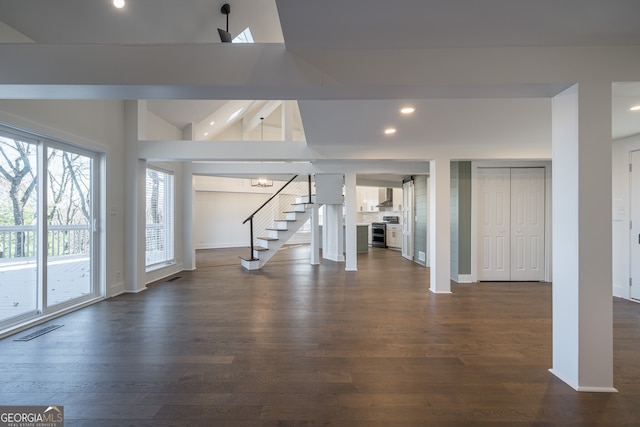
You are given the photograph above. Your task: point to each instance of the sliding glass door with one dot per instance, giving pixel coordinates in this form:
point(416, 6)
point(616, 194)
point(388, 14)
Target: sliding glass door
point(47, 234)
point(69, 226)
point(19, 199)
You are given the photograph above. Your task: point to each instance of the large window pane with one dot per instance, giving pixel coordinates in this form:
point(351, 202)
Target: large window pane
point(69, 226)
point(18, 230)
point(159, 217)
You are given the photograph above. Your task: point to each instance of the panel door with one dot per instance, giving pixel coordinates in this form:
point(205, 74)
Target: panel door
point(635, 225)
point(527, 224)
point(494, 194)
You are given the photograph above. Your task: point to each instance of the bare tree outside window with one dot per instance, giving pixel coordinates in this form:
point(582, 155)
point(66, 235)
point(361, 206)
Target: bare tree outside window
point(18, 207)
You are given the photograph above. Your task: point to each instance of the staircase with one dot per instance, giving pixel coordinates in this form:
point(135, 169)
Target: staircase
point(275, 226)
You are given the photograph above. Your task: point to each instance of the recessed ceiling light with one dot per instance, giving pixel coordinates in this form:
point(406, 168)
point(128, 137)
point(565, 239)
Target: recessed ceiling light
point(407, 110)
point(212, 123)
point(206, 133)
point(119, 4)
point(389, 131)
point(635, 108)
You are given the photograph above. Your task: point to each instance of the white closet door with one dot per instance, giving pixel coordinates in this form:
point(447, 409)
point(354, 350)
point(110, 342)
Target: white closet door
point(527, 224)
point(635, 225)
point(494, 193)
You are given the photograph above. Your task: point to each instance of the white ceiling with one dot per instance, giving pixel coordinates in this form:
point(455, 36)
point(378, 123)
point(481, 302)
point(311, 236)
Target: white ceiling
point(340, 24)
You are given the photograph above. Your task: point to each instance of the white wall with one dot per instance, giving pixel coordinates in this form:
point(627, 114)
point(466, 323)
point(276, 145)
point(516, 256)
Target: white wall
point(219, 218)
point(94, 125)
point(621, 206)
point(159, 129)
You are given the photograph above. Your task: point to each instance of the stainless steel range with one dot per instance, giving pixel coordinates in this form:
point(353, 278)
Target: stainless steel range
point(379, 231)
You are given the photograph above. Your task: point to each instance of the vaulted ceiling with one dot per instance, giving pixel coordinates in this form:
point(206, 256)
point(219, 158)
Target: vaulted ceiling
point(339, 24)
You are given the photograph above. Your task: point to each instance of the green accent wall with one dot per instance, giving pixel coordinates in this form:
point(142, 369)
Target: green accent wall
point(460, 219)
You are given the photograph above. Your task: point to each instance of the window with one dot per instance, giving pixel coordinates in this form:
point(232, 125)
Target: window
point(48, 241)
point(159, 217)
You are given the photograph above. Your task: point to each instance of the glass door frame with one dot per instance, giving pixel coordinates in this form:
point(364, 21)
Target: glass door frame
point(94, 208)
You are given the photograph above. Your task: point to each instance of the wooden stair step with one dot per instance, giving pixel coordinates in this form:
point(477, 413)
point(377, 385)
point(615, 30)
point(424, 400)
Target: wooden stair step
point(277, 229)
point(260, 249)
point(268, 239)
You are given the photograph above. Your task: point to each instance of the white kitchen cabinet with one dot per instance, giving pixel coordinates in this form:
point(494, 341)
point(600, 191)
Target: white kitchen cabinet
point(367, 199)
point(394, 236)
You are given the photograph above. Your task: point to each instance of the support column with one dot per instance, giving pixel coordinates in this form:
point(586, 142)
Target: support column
point(439, 225)
point(188, 198)
point(582, 266)
point(134, 210)
point(315, 235)
point(332, 248)
point(351, 237)
point(287, 120)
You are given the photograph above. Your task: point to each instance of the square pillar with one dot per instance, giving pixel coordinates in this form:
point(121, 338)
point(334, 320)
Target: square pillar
point(351, 242)
point(582, 266)
point(439, 225)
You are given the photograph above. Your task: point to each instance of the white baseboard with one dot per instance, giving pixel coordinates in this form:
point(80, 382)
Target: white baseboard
point(465, 278)
point(116, 289)
point(587, 389)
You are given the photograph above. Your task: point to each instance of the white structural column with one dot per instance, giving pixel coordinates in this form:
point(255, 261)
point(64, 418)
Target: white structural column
point(134, 212)
point(315, 235)
point(188, 220)
point(351, 237)
point(439, 225)
point(582, 303)
point(333, 243)
point(287, 120)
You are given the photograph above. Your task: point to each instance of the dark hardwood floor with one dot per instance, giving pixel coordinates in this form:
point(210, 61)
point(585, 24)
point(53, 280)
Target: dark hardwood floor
point(301, 345)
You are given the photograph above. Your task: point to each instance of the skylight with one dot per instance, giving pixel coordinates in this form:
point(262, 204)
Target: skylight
point(244, 37)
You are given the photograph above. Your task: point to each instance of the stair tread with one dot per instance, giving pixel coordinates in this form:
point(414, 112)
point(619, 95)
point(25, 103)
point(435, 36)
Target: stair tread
point(260, 249)
point(286, 220)
point(248, 259)
point(270, 239)
point(277, 229)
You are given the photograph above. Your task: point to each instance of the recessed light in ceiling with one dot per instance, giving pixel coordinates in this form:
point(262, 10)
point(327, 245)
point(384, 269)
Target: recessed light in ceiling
point(407, 110)
point(389, 131)
point(635, 108)
point(212, 123)
point(119, 4)
point(206, 133)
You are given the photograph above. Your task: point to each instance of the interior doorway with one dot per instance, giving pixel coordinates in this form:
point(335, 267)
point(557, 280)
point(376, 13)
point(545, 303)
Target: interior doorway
point(511, 224)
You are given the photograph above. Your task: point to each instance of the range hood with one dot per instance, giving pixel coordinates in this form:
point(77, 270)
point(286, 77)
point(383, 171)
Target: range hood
point(386, 195)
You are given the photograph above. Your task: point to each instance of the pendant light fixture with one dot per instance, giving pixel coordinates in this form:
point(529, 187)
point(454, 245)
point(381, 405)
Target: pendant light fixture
point(225, 36)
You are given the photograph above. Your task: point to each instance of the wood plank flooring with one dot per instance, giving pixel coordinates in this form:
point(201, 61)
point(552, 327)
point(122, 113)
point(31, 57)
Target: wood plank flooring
point(301, 345)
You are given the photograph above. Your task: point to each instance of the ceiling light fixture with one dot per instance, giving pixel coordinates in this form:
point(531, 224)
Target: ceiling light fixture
point(407, 110)
point(118, 4)
point(225, 36)
point(635, 108)
point(212, 123)
point(261, 182)
point(389, 131)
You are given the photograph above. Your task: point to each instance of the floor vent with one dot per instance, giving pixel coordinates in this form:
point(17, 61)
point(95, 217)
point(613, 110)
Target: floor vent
point(39, 332)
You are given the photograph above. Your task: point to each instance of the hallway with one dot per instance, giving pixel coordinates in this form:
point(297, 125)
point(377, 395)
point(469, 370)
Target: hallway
point(301, 345)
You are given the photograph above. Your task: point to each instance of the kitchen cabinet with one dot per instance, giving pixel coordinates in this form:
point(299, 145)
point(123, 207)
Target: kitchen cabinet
point(367, 199)
point(394, 236)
